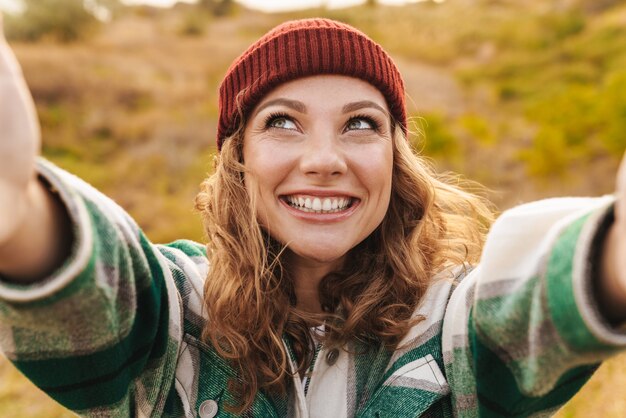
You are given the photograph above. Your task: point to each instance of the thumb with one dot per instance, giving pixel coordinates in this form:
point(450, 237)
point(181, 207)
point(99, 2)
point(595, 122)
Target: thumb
point(8, 62)
point(620, 188)
point(621, 174)
point(2, 37)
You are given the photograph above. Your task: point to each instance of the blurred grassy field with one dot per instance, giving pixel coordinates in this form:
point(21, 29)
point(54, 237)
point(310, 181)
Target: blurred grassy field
point(527, 97)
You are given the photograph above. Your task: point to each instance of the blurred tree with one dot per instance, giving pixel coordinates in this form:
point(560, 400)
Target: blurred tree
point(194, 23)
point(103, 9)
point(371, 3)
point(207, 4)
point(63, 20)
point(224, 7)
point(595, 6)
point(217, 7)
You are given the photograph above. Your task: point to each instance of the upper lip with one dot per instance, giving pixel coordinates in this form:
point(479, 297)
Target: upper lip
point(321, 193)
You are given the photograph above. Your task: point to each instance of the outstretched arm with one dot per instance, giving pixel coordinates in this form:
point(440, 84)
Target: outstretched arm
point(89, 309)
point(545, 306)
point(35, 236)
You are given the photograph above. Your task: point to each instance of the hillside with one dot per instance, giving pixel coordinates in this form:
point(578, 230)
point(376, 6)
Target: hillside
point(528, 98)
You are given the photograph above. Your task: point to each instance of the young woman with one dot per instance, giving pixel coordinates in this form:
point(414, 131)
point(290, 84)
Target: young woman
point(341, 277)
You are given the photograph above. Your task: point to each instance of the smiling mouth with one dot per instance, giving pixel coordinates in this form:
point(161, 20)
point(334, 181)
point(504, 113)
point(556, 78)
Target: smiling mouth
point(312, 204)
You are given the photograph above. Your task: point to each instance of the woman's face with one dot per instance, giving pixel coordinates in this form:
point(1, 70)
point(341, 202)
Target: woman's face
point(318, 153)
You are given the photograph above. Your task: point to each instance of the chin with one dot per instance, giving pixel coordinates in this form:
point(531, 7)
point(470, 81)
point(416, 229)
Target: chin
point(320, 254)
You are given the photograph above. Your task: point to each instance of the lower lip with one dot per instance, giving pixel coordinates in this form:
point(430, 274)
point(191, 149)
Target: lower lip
point(321, 217)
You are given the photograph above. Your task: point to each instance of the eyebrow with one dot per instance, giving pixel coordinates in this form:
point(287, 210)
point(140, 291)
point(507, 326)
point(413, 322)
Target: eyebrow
point(301, 107)
point(351, 107)
point(293, 104)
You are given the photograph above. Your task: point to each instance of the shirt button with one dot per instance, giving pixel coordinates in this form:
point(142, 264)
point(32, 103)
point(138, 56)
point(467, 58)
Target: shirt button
point(208, 409)
point(332, 356)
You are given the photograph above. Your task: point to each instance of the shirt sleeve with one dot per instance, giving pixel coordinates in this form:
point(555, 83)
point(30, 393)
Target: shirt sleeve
point(101, 334)
point(523, 332)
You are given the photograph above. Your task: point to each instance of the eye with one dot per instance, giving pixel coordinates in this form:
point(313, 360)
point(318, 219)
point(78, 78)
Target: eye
point(360, 123)
point(280, 121)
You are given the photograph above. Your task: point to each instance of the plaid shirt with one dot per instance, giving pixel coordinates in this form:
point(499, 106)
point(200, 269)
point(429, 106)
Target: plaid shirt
point(115, 332)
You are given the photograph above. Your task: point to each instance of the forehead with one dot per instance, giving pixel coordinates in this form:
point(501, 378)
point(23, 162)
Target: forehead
point(326, 90)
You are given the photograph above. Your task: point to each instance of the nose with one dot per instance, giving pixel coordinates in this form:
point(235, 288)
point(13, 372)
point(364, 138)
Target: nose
point(323, 156)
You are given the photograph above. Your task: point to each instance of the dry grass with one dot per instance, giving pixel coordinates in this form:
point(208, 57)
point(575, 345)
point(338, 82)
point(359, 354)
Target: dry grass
point(20, 399)
point(603, 396)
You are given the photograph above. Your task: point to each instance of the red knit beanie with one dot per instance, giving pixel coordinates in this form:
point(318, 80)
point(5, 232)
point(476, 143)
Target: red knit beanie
point(303, 48)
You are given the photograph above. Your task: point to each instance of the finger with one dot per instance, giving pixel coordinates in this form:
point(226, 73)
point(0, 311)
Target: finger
point(621, 175)
point(8, 61)
point(620, 182)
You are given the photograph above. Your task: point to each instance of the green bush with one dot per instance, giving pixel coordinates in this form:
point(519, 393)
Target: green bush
point(550, 154)
point(577, 123)
point(613, 109)
point(218, 8)
point(194, 24)
point(478, 128)
point(562, 25)
point(573, 110)
point(436, 139)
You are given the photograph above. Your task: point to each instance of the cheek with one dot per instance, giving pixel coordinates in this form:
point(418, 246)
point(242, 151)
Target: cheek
point(376, 170)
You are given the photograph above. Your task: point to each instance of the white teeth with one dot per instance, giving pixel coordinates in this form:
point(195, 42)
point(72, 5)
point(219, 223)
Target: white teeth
point(318, 205)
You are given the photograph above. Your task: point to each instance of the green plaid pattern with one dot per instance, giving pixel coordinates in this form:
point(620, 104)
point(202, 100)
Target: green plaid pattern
point(116, 331)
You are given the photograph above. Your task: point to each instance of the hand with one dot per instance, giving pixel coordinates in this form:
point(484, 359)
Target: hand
point(35, 229)
point(612, 285)
point(19, 141)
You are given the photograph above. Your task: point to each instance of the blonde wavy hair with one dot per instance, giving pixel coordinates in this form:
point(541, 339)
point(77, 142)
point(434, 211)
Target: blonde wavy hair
point(432, 223)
